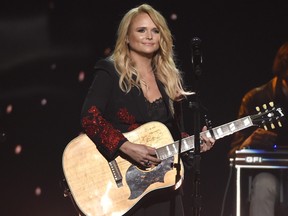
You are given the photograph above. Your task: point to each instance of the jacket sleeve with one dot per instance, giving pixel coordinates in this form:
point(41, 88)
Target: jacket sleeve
point(107, 139)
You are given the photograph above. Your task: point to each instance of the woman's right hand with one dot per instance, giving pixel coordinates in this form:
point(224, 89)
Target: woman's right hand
point(142, 154)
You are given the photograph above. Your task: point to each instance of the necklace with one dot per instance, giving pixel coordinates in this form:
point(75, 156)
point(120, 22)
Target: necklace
point(144, 84)
point(148, 77)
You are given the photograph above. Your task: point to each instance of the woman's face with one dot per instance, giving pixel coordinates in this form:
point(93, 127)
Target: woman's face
point(143, 36)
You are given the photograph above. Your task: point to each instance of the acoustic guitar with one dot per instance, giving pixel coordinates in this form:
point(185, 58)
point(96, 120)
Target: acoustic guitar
point(102, 188)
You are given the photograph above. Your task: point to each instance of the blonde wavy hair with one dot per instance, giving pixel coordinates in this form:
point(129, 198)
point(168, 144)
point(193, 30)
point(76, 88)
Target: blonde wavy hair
point(163, 63)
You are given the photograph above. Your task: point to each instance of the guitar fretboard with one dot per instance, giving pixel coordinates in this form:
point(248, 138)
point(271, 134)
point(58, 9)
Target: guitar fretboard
point(217, 133)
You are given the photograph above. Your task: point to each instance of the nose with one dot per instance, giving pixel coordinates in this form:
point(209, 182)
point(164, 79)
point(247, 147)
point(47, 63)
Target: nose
point(149, 35)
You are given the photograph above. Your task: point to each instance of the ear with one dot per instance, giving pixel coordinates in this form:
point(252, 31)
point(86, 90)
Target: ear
point(126, 40)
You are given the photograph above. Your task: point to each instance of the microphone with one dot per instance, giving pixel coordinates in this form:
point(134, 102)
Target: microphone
point(196, 55)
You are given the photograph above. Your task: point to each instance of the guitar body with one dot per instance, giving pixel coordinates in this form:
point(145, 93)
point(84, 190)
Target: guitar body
point(92, 182)
point(102, 188)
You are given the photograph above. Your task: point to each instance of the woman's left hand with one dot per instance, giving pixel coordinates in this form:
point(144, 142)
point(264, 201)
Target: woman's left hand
point(206, 143)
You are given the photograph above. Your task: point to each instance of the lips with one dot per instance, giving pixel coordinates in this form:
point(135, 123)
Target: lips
point(148, 44)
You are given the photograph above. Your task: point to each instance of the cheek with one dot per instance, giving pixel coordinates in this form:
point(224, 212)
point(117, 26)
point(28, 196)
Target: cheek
point(157, 44)
point(157, 39)
point(134, 38)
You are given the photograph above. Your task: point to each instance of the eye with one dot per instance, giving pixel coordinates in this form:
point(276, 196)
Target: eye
point(156, 31)
point(141, 30)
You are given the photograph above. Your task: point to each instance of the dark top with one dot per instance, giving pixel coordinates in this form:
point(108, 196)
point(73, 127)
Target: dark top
point(157, 110)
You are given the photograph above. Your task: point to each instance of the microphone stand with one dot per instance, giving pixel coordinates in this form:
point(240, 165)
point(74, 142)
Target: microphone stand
point(195, 107)
point(197, 157)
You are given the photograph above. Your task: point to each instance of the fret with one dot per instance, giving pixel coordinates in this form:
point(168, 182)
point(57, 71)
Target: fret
point(232, 127)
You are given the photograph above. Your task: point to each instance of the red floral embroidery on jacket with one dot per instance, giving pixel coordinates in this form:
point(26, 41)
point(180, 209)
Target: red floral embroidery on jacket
point(125, 117)
point(184, 134)
point(94, 124)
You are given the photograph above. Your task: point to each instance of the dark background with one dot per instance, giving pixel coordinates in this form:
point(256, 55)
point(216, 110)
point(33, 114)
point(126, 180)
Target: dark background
point(46, 45)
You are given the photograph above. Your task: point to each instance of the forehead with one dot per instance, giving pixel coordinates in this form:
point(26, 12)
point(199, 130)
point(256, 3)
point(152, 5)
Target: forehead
point(142, 20)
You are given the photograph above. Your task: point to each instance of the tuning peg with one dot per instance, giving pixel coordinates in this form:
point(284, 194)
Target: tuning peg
point(271, 104)
point(257, 109)
point(279, 123)
point(272, 126)
point(264, 106)
point(265, 127)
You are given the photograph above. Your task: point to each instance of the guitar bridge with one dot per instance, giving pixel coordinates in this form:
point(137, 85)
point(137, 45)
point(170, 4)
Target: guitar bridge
point(116, 173)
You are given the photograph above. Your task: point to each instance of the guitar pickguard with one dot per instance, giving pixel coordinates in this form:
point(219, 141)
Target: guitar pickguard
point(138, 180)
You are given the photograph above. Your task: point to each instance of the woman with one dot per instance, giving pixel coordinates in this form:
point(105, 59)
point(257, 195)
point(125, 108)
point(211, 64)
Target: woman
point(138, 83)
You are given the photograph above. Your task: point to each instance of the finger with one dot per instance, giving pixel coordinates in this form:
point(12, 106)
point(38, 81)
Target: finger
point(204, 128)
point(151, 162)
point(207, 141)
point(147, 163)
point(144, 163)
point(204, 148)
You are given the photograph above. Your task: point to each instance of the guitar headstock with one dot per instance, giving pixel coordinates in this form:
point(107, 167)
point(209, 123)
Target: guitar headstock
point(268, 116)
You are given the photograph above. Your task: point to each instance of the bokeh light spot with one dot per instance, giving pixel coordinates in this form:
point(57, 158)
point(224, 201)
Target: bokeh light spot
point(107, 51)
point(18, 149)
point(53, 66)
point(81, 76)
point(173, 16)
point(9, 109)
point(43, 101)
point(38, 191)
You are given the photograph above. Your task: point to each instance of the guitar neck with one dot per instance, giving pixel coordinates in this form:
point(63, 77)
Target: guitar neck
point(216, 133)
